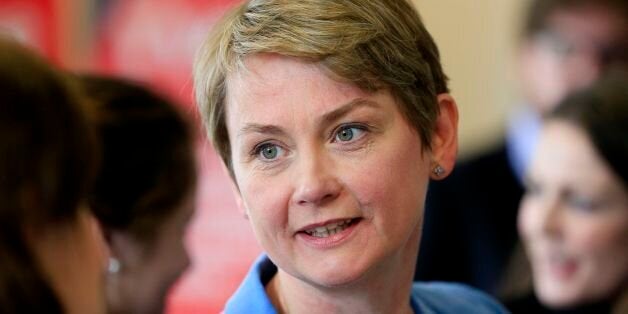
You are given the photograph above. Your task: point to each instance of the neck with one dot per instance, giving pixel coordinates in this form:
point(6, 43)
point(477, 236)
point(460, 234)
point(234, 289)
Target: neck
point(385, 288)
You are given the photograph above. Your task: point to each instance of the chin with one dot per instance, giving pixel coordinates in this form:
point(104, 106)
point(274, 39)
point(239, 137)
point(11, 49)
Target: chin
point(331, 276)
point(556, 302)
point(557, 296)
point(335, 278)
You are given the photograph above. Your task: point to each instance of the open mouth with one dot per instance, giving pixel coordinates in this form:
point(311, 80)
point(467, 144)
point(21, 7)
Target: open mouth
point(331, 228)
point(561, 265)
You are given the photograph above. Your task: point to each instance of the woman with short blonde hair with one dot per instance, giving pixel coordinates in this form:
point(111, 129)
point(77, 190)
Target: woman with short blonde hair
point(331, 117)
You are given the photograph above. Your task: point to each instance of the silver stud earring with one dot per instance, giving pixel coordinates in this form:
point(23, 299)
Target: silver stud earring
point(438, 171)
point(113, 266)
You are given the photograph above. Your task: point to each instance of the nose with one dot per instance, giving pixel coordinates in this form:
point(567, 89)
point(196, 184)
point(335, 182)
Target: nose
point(550, 217)
point(316, 181)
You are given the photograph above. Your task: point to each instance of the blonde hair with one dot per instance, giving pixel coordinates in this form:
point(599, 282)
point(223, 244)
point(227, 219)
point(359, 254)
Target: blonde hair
point(373, 44)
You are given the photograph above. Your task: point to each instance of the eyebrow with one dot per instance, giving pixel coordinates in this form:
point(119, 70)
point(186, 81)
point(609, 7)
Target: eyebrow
point(327, 118)
point(260, 128)
point(346, 108)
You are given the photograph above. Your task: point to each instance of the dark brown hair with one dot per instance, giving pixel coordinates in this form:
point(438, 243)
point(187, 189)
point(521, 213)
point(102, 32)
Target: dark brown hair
point(47, 162)
point(148, 164)
point(602, 112)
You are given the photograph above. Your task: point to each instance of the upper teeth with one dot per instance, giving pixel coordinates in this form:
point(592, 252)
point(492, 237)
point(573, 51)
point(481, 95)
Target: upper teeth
point(329, 229)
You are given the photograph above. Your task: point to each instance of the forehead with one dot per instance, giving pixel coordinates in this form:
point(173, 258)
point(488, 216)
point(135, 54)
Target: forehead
point(270, 85)
point(273, 75)
point(565, 153)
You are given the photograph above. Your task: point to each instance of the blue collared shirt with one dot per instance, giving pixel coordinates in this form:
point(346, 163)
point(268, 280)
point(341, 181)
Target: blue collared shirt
point(426, 298)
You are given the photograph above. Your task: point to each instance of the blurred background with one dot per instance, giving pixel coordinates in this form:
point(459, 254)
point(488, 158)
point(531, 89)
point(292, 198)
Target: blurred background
point(154, 41)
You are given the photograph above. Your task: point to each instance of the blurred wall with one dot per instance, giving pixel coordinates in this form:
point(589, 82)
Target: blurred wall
point(477, 41)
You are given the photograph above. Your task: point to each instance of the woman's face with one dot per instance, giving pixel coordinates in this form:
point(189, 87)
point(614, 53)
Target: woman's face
point(332, 178)
point(148, 271)
point(574, 220)
point(570, 54)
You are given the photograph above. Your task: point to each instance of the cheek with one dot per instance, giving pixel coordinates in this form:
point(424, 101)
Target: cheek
point(176, 258)
point(369, 189)
point(395, 180)
point(603, 240)
point(541, 76)
point(162, 268)
point(603, 250)
point(265, 201)
point(524, 218)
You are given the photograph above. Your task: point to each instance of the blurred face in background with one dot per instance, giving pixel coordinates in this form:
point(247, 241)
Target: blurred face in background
point(569, 54)
point(148, 270)
point(574, 220)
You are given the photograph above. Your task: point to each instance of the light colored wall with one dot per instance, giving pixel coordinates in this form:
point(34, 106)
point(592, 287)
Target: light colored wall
point(477, 40)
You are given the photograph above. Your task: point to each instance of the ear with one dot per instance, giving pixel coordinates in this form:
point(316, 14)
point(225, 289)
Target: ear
point(126, 256)
point(236, 190)
point(445, 137)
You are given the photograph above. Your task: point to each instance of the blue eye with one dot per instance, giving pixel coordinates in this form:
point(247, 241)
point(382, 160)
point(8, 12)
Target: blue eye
point(268, 151)
point(348, 133)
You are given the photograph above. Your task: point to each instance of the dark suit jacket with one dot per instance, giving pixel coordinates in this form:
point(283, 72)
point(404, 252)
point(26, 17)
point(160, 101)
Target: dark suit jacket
point(470, 222)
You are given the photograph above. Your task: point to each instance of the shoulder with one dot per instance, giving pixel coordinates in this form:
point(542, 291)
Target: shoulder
point(251, 298)
point(440, 297)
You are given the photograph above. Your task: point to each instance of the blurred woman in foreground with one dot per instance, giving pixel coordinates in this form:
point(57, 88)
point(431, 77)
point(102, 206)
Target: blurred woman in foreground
point(51, 249)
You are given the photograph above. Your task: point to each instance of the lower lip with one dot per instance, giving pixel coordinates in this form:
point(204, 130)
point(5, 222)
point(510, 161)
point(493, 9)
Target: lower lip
point(330, 241)
point(563, 270)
